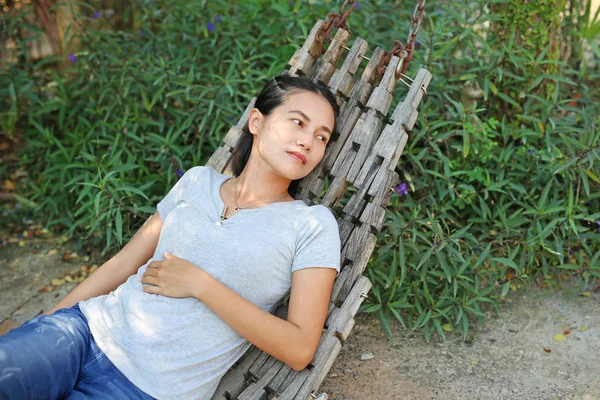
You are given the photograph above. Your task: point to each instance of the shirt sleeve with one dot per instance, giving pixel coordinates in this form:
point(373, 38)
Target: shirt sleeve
point(169, 202)
point(318, 244)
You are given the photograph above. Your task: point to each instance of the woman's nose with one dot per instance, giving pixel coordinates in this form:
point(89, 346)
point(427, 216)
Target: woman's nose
point(304, 141)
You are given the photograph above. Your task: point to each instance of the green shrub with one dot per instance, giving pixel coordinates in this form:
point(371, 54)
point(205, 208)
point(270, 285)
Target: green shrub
point(503, 174)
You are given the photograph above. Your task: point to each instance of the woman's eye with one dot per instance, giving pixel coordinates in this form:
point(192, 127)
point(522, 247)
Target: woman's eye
point(298, 122)
point(324, 138)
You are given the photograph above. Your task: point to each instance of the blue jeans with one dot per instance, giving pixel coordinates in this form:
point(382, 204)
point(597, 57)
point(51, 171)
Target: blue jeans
point(55, 357)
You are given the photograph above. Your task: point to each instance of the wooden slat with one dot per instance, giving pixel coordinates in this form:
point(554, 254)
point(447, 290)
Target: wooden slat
point(292, 384)
point(233, 135)
point(381, 98)
point(257, 390)
point(257, 365)
point(364, 136)
point(405, 112)
point(343, 78)
point(234, 380)
point(220, 157)
point(326, 65)
point(351, 111)
point(304, 57)
point(363, 240)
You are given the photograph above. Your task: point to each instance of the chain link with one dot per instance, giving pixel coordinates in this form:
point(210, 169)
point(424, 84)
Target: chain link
point(404, 52)
point(335, 21)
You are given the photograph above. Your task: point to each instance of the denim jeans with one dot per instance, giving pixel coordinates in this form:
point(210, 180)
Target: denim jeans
point(55, 357)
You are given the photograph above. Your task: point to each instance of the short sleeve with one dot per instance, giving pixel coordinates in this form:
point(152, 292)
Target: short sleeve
point(168, 203)
point(318, 242)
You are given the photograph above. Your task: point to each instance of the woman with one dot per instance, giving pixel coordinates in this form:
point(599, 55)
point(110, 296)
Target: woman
point(171, 312)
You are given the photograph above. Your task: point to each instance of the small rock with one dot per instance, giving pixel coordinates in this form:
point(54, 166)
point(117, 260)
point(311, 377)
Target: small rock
point(366, 356)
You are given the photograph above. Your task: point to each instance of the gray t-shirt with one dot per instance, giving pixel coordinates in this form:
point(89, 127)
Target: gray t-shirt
point(175, 348)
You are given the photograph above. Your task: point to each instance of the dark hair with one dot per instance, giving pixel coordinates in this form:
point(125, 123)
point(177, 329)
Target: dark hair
point(272, 95)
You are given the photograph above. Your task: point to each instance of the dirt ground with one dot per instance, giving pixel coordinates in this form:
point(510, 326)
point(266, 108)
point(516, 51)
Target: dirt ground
point(507, 359)
point(514, 356)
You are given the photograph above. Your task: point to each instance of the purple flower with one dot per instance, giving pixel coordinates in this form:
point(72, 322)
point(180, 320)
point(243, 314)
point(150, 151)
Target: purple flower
point(356, 5)
point(96, 15)
point(416, 43)
point(218, 18)
point(210, 27)
point(531, 152)
point(598, 222)
point(179, 173)
point(401, 189)
point(73, 58)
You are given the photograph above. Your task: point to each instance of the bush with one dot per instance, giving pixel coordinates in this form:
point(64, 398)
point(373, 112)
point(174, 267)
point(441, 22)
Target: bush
point(503, 172)
point(502, 166)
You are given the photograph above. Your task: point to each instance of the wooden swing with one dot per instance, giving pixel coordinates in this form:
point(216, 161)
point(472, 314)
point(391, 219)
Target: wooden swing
point(364, 155)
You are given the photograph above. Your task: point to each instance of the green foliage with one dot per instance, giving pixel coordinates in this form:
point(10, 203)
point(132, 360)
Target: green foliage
point(502, 165)
point(504, 179)
point(106, 137)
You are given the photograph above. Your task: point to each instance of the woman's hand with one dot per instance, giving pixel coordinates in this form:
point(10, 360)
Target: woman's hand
point(173, 277)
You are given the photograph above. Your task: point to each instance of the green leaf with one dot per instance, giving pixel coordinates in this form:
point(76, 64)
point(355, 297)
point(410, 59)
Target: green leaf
point(592, 175)
point(483, 256)
point(506, 261)
point(466, 144)
point(119, 225)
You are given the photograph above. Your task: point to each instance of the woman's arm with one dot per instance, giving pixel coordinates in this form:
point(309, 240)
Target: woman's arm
point(120, 267)
point(293, 341)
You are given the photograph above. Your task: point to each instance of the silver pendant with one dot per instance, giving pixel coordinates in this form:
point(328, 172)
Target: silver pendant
point(218, 223)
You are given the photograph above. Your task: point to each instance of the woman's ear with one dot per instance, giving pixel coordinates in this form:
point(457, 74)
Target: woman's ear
point(255, 120)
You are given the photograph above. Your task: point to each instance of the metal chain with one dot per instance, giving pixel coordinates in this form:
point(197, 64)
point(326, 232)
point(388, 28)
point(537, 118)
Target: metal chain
point(404, 52)
point(335, 21)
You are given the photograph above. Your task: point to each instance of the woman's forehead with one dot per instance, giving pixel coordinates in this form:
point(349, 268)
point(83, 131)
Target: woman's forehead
point(313, 105)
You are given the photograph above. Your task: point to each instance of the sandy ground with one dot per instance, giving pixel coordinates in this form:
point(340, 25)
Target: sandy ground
point(506, 359)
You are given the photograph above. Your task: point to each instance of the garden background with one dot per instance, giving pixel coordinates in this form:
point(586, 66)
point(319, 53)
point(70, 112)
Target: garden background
point(104, 104)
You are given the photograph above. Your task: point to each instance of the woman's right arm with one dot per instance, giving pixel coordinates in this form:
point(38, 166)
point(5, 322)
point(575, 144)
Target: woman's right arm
point(120, 267)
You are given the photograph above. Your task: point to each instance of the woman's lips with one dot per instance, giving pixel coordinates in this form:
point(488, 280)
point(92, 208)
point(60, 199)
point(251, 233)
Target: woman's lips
point(295, 155)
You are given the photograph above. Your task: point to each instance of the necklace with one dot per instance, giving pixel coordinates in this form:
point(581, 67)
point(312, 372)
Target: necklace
point(224, 215)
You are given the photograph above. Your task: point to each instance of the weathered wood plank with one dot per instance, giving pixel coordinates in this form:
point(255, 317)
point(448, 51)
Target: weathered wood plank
point(343, 78)
point(352, 110)
point(325, 66)
point(234, 381)
point(258, 390)
point(406, 111)
point(233, 135)
point(277, 382)
point(304, 57)
point(219, 158)
point(382, 96)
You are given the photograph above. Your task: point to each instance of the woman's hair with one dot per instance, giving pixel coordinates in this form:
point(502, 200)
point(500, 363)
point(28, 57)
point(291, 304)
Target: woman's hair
point(273, 94)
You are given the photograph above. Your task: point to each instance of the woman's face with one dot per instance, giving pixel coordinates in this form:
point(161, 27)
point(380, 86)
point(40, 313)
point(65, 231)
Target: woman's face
point(302, 124)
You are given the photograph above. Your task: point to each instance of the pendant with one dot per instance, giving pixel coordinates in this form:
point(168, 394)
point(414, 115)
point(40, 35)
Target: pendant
point(219, 223)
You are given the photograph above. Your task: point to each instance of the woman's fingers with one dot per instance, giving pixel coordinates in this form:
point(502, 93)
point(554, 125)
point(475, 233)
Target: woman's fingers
point(149, 280)
point(151, 289)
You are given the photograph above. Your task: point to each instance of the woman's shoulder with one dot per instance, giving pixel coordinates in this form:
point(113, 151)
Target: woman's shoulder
point(198, 172)
point(318, 215)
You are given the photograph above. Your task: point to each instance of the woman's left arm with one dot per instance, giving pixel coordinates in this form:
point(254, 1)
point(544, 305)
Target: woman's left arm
point(294, 341)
